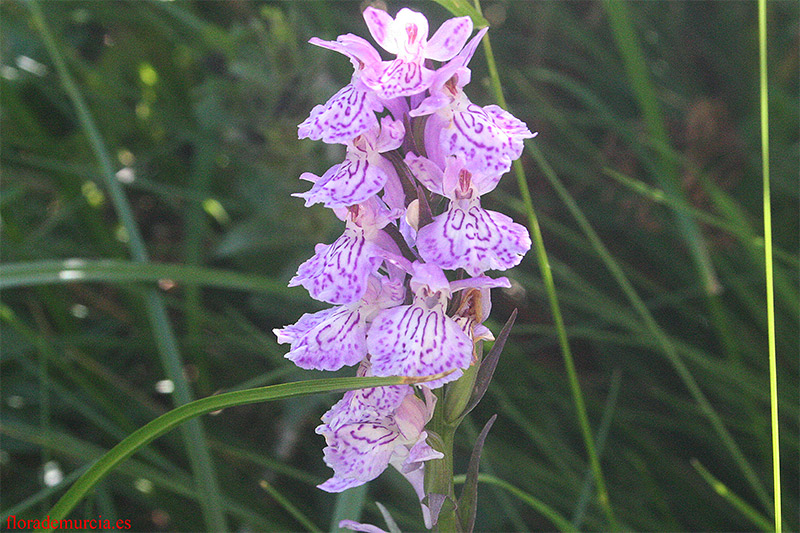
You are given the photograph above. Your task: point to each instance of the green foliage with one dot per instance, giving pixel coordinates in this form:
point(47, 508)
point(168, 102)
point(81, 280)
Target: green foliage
point(644, 178)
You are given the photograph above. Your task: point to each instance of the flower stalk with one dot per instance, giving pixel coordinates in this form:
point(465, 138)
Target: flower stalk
point(407, 278)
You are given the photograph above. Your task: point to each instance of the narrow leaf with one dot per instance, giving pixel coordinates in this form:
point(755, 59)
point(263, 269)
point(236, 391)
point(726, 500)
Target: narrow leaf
point(742, 506)
point(486, 371)
point(189, 411)
point(349, 505)
point(467, 504)
point(51, 272)
point(435, 502)
point(390, 523)
point(425, 214)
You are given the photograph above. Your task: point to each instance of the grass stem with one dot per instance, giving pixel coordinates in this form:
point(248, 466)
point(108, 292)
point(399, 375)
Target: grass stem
point(773, 376)
point(555, 309)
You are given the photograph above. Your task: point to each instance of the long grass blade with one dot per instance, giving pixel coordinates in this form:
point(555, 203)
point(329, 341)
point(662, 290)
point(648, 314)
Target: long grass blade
point(602, 435)
point(190, 411)
point(49, 272)
point(636, 67)
point(194, 435)
point(773, 374)
point(289, 507)
point(176, 482)
point(555, 309)
point(561, 523)
point(741, 505)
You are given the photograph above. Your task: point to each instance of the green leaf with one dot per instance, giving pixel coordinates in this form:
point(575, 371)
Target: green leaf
point(349, 505)
point(118, 271)
point(461, 8)
point(189, 411)
point(468, 503)
point(486, 370)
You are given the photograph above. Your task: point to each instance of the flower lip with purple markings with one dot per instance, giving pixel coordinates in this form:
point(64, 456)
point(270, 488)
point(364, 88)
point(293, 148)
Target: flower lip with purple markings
point(419, 157)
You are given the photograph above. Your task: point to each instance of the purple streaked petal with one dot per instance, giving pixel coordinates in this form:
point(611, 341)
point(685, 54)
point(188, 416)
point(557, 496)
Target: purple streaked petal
point(465, 56)
point(391, 135)
point(426, 171)
point(358, 49)
point(338, 340)
point(430, 276)
point(474, 239)
point(488, 147)
point(359, 450)
point(431, 104)
point(346, 115)
point(338, 484)
point(480, 282)
point(378, 23)
point(449, 39)
point(401, 78)
point(410, 340)
point(307, 322)
point(473, 134)
point(352, 182)
point(510, 124)
point(338, 273)
point(410, 33)
point(365, 404)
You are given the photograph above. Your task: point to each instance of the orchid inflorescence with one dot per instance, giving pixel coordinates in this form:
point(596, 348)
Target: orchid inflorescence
point(415, 145)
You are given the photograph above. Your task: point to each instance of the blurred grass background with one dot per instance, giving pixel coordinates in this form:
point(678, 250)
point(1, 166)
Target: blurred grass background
point(647, 114)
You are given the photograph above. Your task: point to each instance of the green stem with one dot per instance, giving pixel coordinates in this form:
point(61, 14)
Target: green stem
point(773, 377)
point(447, 517)
point(164, 423)
point(555, 309)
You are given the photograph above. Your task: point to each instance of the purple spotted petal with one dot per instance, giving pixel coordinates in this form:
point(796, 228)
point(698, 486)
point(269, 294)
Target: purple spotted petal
point(401, 78)
point(449, 39)
point(362, 54)
point(338, 273)
point(488, 147)
point(469, 237)
point(352, 182)
point(510, 124)
point(378, 23)
point(293, 333)
point(346, 115)
point(473, 134)
point(337, 484)
point(411, 340)
point(426, 171)
point(365, 404)
point(359, 451)
point(337, 340)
